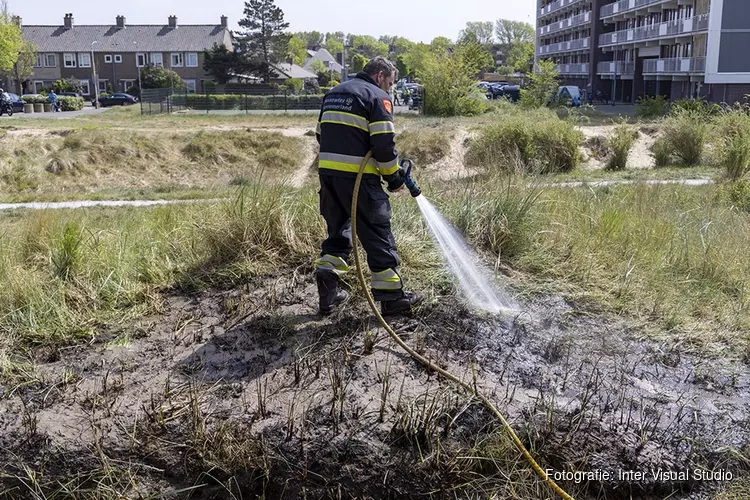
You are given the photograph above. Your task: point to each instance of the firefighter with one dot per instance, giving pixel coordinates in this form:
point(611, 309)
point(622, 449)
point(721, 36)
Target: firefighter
point(357, 117)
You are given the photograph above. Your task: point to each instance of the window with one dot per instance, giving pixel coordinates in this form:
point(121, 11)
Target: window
point(190, 86)
point(108, 58)
point(50, 61)
point(176, 60)
point(191, 59)
point(38, 61)
point(104, 86)
point(38, 86)
point(86, 88)
point(84, 60)
point(126, 84)
point(140, 60)
point(118, 58)
point(70, 60)
point(157, 59)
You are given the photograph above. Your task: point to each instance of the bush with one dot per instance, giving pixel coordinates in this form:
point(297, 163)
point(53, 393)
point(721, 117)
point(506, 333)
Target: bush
point(619, 142)
point(686, 132)
point(248, 102)
point(68, 85)
point(294, 85)
point(449, 86)
point(526, 144)
point(699, 106)
point(69, 103)
point(661, 151)
point(424, 146)
point(543, 87)
point(733, 142)
point(33, 99)
point(651, 107)
point(739, 195)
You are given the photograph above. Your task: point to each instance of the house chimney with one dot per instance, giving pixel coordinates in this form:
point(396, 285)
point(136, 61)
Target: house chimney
point(172, 21)
point(68, 20)
point(120, 21)
point(224, 21)
point(17, 21)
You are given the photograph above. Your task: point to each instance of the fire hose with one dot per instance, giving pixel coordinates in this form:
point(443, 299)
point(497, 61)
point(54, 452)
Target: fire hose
point(415, 191)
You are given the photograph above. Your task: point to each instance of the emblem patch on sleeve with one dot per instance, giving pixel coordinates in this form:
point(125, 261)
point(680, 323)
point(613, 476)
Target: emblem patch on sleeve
point(388, 106)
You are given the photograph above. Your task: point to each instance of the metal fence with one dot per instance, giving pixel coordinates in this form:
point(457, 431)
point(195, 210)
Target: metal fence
point(156, 101)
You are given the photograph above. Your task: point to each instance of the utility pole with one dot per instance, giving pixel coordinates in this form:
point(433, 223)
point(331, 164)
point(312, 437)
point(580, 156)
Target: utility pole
point(94, 76)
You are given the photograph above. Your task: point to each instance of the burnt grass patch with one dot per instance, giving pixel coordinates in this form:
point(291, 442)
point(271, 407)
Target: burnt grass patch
point(244, 392)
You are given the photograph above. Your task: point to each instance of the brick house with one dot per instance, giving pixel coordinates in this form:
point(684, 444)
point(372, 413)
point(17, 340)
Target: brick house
point(119, 50)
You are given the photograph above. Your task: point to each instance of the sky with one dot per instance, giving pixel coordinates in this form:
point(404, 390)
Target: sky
point(417, 20)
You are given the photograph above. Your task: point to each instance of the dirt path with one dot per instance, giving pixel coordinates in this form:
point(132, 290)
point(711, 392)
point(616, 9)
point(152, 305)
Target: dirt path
point(589, 391)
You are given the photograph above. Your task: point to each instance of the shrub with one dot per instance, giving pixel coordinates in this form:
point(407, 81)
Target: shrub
point(424, 146)
point(543, 87)
point(33, 99)
point(661, 151)
point(686, 132)
point(294, 85)
point(651, 107)
point(526, 144)
point(698, 106)
point(68, 85)
point(732, 144)
point(619, 142)
point(449, 86)
point(739, 195)
point(244, 102)
point(69, 103)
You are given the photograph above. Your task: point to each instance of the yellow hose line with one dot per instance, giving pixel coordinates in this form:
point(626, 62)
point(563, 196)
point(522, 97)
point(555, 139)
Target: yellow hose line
point(540, 472)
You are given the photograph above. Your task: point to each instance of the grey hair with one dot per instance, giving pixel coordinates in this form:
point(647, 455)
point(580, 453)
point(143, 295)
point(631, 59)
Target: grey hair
point(378, 64)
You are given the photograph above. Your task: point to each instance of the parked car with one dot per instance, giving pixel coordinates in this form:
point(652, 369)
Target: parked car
point(495, 90)
point(117, 99)
point(567, 94)
point(16, 102)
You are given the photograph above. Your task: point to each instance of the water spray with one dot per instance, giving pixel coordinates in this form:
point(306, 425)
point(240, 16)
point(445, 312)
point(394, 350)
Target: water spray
point(416, 193)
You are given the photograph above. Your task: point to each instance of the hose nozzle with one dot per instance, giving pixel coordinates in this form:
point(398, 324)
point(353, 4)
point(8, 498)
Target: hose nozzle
point(410, 183)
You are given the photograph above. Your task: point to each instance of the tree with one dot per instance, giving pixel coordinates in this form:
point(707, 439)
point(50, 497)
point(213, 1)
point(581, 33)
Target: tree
point(297, 50)
point(358, 63)
point(333, 45)
point(402, 45)
point(440, 44)
point(521, 56)
point(543, 86)
point(474, 56)
point(67, 85)
point(480, 32)
point(264, 33)
point(223, 64)
point(310, 37)
point(159, 77)
point(511, 32)
point(450, 85)
point(325, 76)
point(23, 69)
point(368, 46)
point(11, 39)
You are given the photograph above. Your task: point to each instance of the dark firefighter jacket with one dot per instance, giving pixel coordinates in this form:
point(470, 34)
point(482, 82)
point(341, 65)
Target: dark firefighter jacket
point(356, 117)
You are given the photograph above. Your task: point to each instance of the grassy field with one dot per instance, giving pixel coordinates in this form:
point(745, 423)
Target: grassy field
point(182, 338)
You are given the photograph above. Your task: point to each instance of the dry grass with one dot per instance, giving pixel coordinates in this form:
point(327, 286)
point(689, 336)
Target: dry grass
point(425, 145)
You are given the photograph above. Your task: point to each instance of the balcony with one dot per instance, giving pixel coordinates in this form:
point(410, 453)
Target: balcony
point(615, 67)
point(571, 22)
point(674, 66)
point(669, 29)
point(573, 69)
point(555, 6)
point(569, 46)
point(624, 6)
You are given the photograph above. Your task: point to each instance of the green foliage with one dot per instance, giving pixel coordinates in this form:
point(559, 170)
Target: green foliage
point(264, 35)
point(477, 32)
point(698, 106)
point(543, 86)
point(620, 142)
point(661, 151)
point(732, 142)
point(426, 145)
point(310, 37)
point(686, 133)
point(334, 43)
point(738, 193)
point(294, 85)
point(298, 50)
point(11, 40)
point(651, 107)
point(450, 87)
point(368, 47)
point(249, 102)
point(23, 69)
point(35, 99)
point(358, 63)
point(66, 257)
point(159, 77)
point(67, 85)
point(475, 57)
point(517, 39)
point(70, 103)
point(526, 143)
point(222, 63)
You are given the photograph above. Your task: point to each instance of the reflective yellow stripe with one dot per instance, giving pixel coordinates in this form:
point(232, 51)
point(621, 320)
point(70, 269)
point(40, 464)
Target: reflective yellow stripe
point(388, 168)
point(346, 167)
point(332, 263)
point(349, 119)
point(317, 129)
point(385, 127)
point(386, 280)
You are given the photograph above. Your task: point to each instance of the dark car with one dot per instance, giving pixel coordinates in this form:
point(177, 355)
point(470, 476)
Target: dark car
point(495, 90)
point(117, 99)
point(16, 102)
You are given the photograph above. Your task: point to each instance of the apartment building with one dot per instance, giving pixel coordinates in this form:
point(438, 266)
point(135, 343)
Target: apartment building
point(110, 56)
point(675, 48)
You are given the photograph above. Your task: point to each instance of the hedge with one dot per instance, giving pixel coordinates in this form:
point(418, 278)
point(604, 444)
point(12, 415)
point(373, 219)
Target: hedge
point(70, 103)
point(33, 99)
point(245, 102)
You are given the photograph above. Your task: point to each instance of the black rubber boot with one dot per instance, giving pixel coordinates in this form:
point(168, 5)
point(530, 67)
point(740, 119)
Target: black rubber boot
point(401, 305)
point(329, 292)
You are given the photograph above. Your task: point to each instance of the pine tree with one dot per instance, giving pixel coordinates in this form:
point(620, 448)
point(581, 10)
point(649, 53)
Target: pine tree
point(264, 36)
